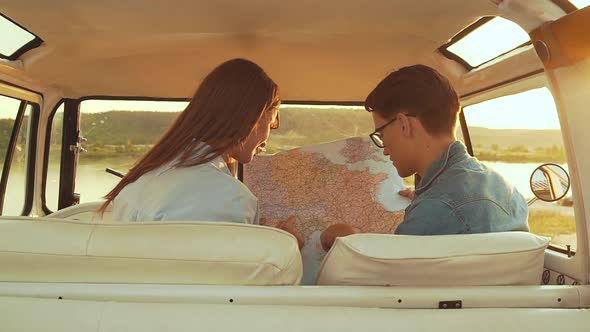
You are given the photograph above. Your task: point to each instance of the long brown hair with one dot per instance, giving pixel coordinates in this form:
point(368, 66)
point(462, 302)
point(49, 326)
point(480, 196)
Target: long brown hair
point(224, 110)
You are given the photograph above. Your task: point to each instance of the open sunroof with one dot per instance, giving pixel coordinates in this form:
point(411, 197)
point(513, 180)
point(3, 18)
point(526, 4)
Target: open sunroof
point(580, 3)
point(15, 40)
point(485, 40)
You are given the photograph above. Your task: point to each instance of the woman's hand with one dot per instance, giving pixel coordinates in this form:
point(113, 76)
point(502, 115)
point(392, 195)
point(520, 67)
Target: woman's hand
point(290, 226)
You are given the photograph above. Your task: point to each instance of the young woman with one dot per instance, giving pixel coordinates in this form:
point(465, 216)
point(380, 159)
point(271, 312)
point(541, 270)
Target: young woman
point(185, 176)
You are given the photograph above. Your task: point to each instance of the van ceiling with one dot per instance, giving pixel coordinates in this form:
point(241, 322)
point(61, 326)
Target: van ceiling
point(329, 50)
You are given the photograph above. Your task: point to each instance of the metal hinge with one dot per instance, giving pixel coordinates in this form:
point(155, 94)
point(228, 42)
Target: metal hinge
point(77, 148)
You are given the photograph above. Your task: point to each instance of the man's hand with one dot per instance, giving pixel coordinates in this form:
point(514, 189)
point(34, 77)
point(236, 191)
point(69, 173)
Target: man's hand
point(290, 226)
point(329, 235)
point(408, 192)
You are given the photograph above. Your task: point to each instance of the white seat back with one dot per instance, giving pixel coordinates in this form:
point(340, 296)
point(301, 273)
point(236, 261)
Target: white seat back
point(508, 258)
point(208, 253)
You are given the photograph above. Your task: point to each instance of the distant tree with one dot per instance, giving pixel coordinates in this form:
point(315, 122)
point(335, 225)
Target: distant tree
point(518, 148)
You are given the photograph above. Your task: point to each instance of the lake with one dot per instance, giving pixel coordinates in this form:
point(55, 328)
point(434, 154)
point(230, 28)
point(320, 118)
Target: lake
point(92, 182)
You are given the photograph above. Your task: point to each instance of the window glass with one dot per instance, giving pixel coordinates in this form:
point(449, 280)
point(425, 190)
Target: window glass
point(303, 125)
point(580, 3)
point(514, 135)
point(8, 111)
point(121, 131)
point(118, 133)
point(489, 41)
point(13, 37)
point(15, 195)
point(54, 160)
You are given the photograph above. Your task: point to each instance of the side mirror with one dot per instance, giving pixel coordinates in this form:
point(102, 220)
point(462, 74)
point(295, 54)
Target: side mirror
point(550, 182)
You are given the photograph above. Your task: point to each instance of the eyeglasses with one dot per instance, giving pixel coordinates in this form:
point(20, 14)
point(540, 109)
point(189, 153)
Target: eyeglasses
point(377, 136)
point(275, 124)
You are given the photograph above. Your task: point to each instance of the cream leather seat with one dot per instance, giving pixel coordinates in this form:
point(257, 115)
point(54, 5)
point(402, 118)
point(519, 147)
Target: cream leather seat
point(206, 253)
point(491, 259)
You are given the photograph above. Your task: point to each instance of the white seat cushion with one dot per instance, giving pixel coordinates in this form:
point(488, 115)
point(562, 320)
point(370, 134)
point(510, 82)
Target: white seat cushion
point(210, 253)
point(508, 258)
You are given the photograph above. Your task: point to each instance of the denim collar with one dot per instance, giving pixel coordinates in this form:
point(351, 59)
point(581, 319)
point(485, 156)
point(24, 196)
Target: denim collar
point(455, 153)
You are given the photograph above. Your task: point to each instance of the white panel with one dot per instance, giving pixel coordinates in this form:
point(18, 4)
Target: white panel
point(26, 314)
point(351, 296)
point(570, 87)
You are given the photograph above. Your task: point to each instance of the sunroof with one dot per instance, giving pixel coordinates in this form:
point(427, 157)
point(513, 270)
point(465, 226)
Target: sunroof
point(486, 40)
point(15, 39)
point(580, 3)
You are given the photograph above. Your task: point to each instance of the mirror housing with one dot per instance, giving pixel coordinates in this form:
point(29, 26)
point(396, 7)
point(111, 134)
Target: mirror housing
point(550, 182)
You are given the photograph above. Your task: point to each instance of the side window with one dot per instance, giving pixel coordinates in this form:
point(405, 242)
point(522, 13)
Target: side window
point(514, 135)
point(118, 133)
point(14, 150)
point(9, 110)
point(54, 160)
point(303, 125)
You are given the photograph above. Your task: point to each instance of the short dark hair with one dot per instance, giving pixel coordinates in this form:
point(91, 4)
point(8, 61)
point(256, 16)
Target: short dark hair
point(420, 90)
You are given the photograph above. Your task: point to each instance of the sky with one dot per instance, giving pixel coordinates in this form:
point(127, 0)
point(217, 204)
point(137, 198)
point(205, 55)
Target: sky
point(533, 109)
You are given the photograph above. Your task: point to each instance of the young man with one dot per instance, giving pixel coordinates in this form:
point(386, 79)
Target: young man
point(415, 114)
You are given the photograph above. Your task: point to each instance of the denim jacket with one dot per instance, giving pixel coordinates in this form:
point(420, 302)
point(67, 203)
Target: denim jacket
point(460, 195)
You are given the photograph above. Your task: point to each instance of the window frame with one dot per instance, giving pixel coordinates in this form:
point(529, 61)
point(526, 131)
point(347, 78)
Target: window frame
point(47, 141)
point(31, 151)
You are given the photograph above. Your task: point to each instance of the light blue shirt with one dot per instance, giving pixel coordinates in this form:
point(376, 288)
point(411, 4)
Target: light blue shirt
point(206, 192)
point(460, 195)
point(312, 254)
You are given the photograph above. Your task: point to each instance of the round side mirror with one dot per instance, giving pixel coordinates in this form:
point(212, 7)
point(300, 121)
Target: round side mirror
point(550, 182)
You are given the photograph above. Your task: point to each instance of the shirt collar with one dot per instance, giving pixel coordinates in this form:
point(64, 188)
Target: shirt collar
point(455, 153)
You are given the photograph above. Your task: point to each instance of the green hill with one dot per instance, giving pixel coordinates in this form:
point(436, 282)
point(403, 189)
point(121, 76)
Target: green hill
point(510, 137)
point(125, 127)
point(133, 132)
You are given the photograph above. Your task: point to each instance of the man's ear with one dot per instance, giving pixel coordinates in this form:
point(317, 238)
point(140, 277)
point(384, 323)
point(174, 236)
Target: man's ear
point(406, 124)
